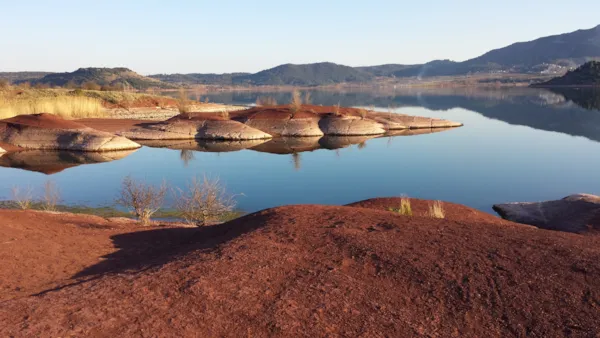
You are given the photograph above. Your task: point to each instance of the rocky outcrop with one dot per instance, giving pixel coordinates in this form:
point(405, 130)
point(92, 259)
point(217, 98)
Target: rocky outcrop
point(52, 162)
point(578, 213)
point(46, 131)
point(349, 126)
point(182, 129)
point(280, 121)
point(394, 121)
point(289, 145)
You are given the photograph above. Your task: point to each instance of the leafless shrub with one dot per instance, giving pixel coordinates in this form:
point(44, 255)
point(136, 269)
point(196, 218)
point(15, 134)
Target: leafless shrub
point(436, 210)
point(266, 101)
point(23, 198)
point(224, 114)
point(144, 200)
point(206, 100)
point(51, 196)
point(295, 102)
point(204, 201)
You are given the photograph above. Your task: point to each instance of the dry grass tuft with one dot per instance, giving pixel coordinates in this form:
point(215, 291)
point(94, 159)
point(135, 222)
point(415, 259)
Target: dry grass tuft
point(69, 107)
point(51, 196)
point(23, 198)
point(436, 210)
point(405, 207)
point(362, 113)
point(266, 101)
point(295, 102)
point(337, 110)
point(307, 98)
point(183, 103)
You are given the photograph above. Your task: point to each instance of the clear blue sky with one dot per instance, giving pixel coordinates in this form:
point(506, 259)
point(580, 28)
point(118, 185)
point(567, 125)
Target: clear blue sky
point(226, 36)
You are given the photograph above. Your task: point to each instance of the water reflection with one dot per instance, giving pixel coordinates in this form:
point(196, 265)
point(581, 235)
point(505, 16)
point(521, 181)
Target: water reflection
point(52, 162)
point(570, 111)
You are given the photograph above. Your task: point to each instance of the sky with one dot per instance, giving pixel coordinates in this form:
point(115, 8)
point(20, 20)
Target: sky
point(248, 36)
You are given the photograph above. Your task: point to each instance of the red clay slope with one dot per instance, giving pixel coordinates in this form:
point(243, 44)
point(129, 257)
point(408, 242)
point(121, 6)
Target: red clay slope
point(329, 270)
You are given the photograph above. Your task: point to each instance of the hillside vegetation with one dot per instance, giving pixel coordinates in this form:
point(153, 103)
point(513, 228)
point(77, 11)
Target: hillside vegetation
point(586, 75)
point(102, 77)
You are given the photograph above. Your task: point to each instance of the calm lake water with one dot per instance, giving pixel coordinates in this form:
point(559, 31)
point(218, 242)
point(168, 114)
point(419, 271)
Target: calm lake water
point(516, 145)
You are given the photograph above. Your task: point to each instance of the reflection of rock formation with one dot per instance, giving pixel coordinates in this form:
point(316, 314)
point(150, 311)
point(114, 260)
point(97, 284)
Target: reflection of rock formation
point(51, 162)
point(414, 132)
point(289, 145)
point(337, 142)
point(588, 98)
point(279, 145)
point(211, 146)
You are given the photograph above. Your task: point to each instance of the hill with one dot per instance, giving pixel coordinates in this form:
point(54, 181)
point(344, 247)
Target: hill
point(586, 75)
point(197, 78)
point(356, 270)
point(103, 77)
point(551, 54)
point(305, 75)
point(315, 74)
point(22, 76)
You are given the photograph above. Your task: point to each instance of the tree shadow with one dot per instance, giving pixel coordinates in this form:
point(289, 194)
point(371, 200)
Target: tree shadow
point(146, 249)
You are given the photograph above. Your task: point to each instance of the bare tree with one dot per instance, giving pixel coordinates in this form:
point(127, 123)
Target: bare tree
point(23, 198)
point(144, 200)
point(204, 201)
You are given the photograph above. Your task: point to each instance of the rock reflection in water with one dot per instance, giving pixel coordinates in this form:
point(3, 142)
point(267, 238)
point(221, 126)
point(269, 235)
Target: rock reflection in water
point(51, 162)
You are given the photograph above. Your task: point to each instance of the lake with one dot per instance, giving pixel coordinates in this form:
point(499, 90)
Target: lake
point(516, 145)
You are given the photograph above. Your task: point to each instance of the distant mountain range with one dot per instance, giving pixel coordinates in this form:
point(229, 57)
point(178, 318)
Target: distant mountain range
point(586, 75)
point(548, 55)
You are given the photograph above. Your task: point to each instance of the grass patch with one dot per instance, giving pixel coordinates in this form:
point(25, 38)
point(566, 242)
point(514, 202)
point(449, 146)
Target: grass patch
point(436, 210)
point(405, 208)
point(69, 107)
point(111, 211)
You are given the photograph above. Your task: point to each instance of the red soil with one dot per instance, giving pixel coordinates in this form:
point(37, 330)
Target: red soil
point(283, 112)
point(42, 120)
point(307, 271)
point(113, 125)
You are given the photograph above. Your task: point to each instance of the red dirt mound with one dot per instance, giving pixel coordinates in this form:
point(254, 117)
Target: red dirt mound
point(283, 112)
point(44, 120)
point(333, 271)
point(197, 117)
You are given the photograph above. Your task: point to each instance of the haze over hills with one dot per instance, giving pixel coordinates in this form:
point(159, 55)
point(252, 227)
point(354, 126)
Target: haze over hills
point(548, 55)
